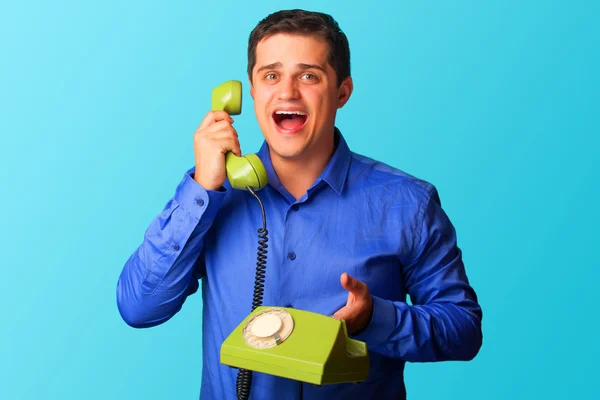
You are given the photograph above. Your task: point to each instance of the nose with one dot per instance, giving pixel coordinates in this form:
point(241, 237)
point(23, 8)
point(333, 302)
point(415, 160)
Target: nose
point(287, 89)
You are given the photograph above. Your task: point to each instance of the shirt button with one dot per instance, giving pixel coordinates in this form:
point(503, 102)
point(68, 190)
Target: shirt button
point(295, 207)
point(292, 256)
point(176, 247)
point(200, 202)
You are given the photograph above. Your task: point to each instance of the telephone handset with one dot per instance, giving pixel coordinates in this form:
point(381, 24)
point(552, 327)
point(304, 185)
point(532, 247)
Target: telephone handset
point(242, 171)
point(281, 341)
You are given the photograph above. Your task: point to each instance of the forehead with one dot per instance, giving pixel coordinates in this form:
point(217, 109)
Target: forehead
point(289, 50)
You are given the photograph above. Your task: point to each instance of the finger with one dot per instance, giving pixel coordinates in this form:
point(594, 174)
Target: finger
point(344, 313)
point(232, 145)
point(221, 126)
point(225, 136)
point(352, 284)
point(214, 116)
point(217, 138)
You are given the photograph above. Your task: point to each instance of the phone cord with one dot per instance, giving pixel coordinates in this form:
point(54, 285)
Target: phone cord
point(244, 378)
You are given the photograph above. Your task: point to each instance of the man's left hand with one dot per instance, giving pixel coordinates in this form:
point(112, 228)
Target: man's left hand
point(359, 306)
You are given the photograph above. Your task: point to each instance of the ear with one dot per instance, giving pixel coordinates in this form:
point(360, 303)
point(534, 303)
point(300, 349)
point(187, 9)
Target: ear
point(251, 87)
point(345, 90)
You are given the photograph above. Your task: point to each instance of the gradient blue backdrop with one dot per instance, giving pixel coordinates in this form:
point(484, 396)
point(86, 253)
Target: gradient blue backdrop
point(495, 103)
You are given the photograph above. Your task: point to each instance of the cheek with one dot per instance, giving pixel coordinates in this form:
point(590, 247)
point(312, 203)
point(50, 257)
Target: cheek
point(261, 102)
point(259, 107)
point(318, 101)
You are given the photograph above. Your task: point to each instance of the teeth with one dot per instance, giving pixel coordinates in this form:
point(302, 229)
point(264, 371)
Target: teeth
point(290, 112)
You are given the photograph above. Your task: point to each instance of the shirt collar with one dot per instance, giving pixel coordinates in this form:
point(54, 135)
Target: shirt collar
point(334, 173)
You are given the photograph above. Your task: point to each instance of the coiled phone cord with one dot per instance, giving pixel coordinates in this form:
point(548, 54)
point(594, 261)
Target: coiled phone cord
point(244, 377)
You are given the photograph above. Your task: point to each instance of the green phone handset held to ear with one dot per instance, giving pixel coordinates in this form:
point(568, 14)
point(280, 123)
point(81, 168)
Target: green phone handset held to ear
point(242, 171)
point(281, 341)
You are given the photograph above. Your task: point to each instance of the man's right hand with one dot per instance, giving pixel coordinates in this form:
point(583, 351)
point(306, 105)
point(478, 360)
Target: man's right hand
point(214, 137)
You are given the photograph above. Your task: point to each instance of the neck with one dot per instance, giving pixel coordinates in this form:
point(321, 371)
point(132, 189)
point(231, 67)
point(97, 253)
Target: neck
point(299, 174)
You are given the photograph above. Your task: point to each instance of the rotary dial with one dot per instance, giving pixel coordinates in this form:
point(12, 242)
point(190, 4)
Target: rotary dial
point(268, 328)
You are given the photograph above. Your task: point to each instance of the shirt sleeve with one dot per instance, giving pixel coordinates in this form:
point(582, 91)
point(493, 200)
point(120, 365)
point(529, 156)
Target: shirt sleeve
point(444, 321)
point(165, 268)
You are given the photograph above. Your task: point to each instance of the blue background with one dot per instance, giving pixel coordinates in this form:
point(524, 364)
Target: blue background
point(494, 103)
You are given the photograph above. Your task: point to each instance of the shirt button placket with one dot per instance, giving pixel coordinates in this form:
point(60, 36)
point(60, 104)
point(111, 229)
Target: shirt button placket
point(289, 244)
point(291, 255)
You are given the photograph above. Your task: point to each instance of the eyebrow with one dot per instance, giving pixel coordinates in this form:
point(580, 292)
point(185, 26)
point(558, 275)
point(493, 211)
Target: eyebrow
point(277, 65)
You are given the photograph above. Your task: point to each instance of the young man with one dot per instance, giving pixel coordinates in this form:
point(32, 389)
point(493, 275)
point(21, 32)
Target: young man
point(349, 237)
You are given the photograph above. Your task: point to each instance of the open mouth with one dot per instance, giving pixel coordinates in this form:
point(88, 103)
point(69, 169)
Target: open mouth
point(290, 120)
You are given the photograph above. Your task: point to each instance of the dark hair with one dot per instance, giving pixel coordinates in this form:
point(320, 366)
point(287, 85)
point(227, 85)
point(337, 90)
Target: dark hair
point(307, 23)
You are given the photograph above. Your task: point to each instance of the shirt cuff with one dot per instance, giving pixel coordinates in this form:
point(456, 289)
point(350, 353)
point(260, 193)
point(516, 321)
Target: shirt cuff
point(197, 201)
point(383, 321)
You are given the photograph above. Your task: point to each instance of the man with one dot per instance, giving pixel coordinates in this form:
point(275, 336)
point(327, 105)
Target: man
point(349, 237)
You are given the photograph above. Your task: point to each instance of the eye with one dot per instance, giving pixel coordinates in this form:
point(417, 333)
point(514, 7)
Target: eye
point(309, 77)
point(270, 76)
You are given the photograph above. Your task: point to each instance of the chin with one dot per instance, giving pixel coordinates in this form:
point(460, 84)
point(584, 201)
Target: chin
point(285, 150)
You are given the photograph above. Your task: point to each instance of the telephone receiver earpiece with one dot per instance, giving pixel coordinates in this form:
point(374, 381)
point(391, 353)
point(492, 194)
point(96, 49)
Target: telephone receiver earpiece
point(242, 171)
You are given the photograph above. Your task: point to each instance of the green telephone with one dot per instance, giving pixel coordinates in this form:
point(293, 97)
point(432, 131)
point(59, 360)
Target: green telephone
point(242, 171)
point(285, 342)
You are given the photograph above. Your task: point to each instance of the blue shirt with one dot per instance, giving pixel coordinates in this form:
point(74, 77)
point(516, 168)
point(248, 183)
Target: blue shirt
point(379, 224)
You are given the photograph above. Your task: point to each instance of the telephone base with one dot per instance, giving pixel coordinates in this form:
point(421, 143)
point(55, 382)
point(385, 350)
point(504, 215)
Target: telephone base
point(302, 346)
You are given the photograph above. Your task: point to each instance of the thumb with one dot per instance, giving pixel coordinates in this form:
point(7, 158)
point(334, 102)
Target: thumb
point(342, 313)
